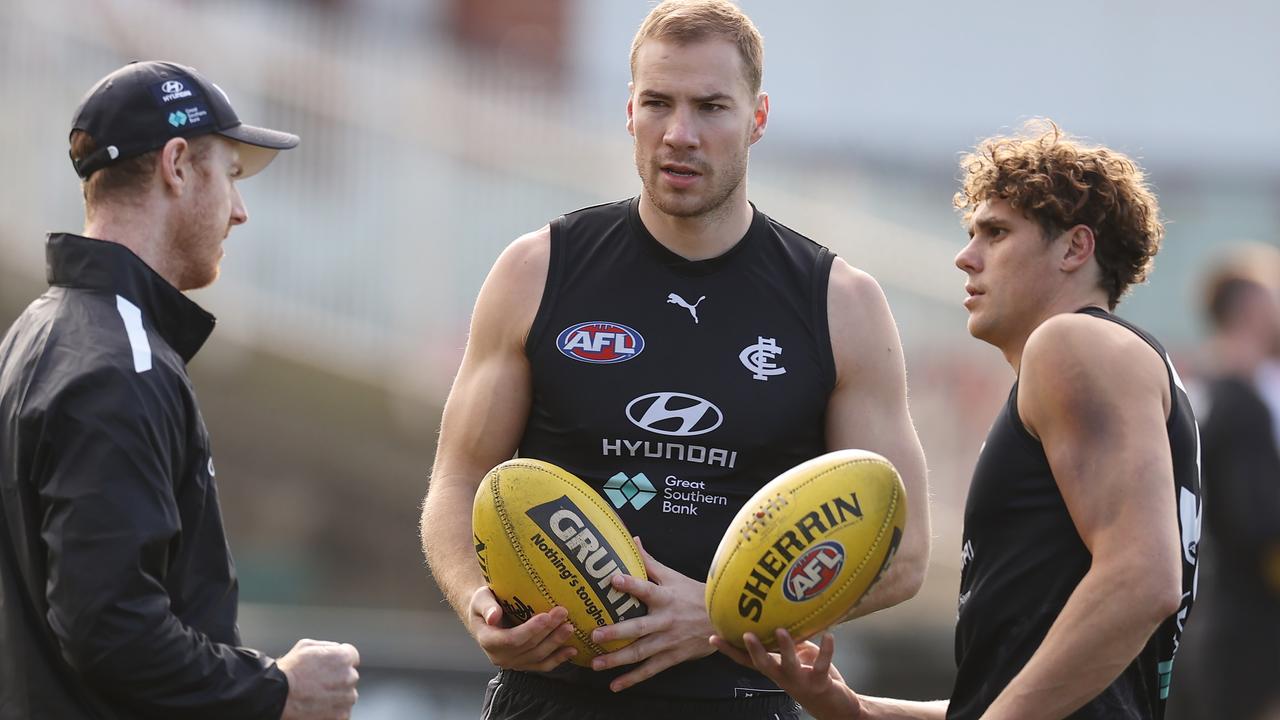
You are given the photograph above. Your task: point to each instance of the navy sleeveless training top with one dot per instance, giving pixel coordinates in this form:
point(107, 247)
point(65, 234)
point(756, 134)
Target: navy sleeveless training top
point(1022, 557)
point(678, 388)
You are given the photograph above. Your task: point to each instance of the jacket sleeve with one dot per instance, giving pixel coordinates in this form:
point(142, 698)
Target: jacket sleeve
point(110, 523)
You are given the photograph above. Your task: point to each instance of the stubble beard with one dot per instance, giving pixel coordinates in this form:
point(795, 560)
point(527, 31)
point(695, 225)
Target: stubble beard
point(722, 185)
point(196, 254)
point(196, 271)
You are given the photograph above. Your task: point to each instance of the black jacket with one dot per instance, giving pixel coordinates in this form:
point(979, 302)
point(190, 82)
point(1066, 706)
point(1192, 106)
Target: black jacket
point(117, 590)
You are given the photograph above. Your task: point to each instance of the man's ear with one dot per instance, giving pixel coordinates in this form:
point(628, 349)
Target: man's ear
point(1078, 249)
point(631, 119)
point(760, 117)
point(175, 165)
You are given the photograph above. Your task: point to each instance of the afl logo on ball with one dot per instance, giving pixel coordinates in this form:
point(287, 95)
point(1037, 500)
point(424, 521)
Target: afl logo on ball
point(601, 343)
point(813, 571)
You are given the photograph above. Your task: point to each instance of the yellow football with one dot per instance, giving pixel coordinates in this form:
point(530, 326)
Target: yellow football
point(544, 539)
point(806, 547)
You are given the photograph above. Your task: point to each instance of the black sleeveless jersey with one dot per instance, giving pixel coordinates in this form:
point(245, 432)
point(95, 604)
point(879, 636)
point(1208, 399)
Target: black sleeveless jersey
point(678, 388)
point(1022, 558)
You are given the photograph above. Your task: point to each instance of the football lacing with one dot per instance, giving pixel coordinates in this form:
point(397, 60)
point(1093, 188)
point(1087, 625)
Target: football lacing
point(763, 513)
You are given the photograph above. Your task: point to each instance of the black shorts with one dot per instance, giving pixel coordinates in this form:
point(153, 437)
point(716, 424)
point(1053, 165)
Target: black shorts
point(523, 696)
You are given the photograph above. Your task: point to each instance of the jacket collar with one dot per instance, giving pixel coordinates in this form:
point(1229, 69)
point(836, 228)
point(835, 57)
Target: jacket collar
point(79, 262)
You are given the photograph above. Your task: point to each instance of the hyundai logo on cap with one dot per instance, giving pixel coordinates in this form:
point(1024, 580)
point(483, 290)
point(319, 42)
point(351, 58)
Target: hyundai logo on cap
point(173, 90)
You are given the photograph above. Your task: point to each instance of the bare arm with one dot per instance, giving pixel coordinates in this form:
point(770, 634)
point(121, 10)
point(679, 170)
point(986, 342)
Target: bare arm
point(868, 410)
point(1098, 398)
point(484, 418)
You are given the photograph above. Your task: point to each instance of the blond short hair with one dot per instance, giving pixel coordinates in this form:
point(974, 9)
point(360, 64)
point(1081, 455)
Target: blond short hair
point(688, 21)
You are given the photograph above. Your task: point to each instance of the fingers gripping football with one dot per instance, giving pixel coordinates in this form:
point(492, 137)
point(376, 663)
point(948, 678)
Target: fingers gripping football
point(539, 644)
point(674, 630)
point(545, 540)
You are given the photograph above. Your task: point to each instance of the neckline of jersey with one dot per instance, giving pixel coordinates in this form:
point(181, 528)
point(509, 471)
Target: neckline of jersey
point(675, 262)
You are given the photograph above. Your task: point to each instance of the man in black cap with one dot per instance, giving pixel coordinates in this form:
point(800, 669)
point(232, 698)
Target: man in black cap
point(117, 590)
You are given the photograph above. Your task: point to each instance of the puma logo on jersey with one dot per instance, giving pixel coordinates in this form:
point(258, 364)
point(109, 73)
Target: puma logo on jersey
point(675, 299)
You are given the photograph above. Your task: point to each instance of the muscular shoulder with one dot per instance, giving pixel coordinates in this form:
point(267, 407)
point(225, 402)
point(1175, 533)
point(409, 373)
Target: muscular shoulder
point(525, 260)
point(1077, 364)
point(513, 290)
point(862, 328)
point(852, 288)
point(1080, 343)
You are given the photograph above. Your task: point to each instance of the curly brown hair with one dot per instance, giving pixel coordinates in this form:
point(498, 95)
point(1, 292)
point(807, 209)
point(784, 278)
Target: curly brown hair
point(1060, 182)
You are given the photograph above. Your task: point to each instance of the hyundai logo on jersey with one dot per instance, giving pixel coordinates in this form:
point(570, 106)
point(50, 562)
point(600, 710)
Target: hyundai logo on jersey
point(673, 413)
point(600, 342)
point(813, 571)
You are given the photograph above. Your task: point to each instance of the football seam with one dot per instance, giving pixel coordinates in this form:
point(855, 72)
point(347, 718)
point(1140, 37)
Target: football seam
point(509, 530)
point(594, 499)
point(524, 561)
point(876, 544)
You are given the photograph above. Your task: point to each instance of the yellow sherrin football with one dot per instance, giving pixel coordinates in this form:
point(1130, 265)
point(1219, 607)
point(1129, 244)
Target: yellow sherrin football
point(544, 539)
point(806, 547)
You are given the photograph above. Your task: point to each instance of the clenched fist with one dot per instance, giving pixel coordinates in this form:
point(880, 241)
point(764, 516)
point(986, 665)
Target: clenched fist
point(322, 680)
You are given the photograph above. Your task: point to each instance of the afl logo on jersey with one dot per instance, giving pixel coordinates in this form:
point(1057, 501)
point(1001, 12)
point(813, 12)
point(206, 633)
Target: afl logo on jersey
point(601, 343)
point(813, 571)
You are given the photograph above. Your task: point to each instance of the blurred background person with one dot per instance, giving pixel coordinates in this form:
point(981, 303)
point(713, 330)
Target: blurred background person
point(1229, 664)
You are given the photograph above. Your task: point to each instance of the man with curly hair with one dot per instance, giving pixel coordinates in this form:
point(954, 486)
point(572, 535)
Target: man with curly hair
point(1081, 526)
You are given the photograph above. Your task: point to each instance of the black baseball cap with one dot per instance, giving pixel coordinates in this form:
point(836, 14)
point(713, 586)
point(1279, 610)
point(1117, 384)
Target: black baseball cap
point(143, 105)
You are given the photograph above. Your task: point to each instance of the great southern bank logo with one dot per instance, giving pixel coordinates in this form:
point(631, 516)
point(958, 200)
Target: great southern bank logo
point(637, 490)
point(601, 343)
